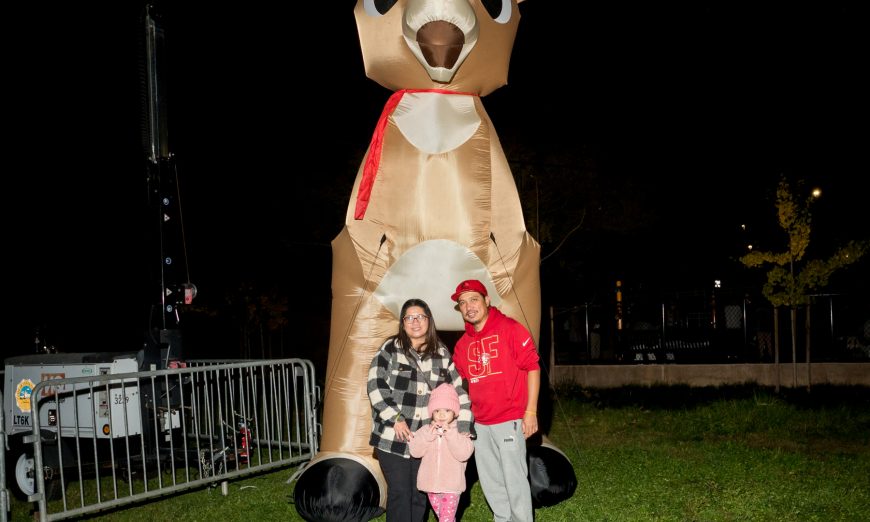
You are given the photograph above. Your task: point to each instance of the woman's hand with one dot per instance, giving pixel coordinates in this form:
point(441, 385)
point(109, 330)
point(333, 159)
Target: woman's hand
point(403, 432)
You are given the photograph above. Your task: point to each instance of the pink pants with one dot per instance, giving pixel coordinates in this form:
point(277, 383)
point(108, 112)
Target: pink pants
point(444, 505)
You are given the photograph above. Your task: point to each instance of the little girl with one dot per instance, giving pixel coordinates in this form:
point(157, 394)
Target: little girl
point(444, 453)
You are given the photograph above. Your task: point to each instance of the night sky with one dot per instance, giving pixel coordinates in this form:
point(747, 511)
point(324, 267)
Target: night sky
point(271, 112)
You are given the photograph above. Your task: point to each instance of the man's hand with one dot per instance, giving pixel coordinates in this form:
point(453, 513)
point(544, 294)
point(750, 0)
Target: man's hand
point(530, 424)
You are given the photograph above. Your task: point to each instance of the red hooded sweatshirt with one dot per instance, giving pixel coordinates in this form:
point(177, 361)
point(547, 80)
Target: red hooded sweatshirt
point(495, 362)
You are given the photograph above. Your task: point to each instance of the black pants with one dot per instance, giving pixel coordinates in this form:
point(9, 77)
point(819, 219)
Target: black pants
point(405, 503)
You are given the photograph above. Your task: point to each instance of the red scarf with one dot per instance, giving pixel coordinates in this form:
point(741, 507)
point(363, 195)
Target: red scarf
point(373, 161)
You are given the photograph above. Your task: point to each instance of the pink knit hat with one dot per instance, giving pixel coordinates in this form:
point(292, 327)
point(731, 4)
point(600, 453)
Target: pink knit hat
point(444, 397)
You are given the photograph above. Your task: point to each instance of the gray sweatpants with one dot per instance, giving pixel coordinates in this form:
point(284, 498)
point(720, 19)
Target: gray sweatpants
point(500, 455)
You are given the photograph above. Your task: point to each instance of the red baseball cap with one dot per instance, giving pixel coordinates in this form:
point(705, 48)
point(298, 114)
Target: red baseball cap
point(469, 285)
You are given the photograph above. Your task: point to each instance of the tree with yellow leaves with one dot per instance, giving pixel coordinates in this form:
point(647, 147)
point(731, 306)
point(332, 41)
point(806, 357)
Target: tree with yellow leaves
point(791, 278)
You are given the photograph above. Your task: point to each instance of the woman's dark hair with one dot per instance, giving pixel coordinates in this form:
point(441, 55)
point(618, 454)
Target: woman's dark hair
point(431, 342)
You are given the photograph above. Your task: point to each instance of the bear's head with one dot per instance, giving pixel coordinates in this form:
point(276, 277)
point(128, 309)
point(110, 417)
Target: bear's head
point(458, 45)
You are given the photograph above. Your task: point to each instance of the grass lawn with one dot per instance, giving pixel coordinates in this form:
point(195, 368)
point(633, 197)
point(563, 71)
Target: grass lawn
point(648, 454)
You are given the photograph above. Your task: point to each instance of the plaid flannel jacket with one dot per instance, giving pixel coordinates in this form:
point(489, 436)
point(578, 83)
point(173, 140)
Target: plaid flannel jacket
point(399, 385)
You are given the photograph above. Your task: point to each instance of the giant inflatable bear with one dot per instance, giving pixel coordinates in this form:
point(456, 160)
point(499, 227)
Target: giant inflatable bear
point(434, 203)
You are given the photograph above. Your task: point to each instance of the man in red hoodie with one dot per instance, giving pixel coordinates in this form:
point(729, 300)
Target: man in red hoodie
point(498, 359)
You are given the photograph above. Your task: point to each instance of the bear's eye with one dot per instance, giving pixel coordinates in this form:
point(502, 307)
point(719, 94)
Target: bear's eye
point(378, 7)
point(499, 10)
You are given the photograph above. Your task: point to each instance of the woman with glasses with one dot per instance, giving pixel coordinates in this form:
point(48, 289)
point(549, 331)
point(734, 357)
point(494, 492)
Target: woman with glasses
point(407, 367)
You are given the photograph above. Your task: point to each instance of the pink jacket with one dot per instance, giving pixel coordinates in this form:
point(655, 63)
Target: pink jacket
point(444, 457)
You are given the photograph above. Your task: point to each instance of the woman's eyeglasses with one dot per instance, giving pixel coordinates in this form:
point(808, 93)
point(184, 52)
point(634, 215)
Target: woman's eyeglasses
point(416, 317)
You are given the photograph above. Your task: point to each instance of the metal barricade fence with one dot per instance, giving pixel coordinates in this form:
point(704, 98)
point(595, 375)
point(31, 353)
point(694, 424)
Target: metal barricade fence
point(4, 494)
point(107, 441)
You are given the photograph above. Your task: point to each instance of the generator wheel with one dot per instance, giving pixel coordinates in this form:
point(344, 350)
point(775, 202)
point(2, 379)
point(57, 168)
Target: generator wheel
point(23, 473)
